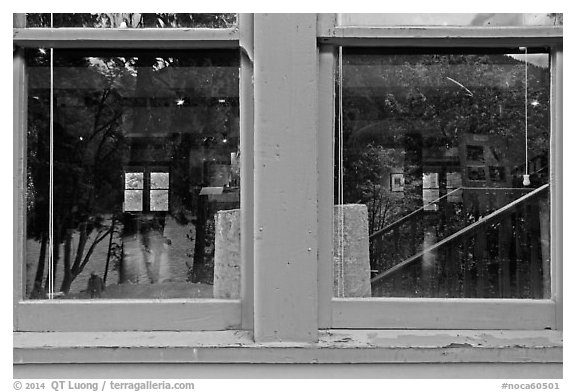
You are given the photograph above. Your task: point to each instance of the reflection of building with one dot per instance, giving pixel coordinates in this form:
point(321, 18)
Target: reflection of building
point(286, 313)
point(167, 176)
point(145, 249)
point(181, 118)
point(437, 236)
point(433, 145)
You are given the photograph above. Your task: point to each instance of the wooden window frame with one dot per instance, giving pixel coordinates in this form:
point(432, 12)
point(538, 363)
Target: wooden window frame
point(286, 310)
point(147, 186)
point(132, 314)
point(410, 313)
point(287, 61)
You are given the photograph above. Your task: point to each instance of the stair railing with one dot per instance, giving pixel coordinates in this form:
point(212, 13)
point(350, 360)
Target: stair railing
point(465, 231)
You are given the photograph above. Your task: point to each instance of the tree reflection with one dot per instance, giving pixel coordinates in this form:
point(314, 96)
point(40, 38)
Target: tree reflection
point(113, 112)
point(450, 128)
point(132, 20)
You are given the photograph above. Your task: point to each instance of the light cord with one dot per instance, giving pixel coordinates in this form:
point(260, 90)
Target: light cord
point(340, 260)
point(51, 182)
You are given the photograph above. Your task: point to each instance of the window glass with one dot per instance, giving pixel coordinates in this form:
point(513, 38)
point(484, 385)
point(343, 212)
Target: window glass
point(159, 180)
point(133, 200)
point(134, 180)
point(137, 137)
point(452, 19)
point(158, 200)
point(131, 20)
point(433, 152)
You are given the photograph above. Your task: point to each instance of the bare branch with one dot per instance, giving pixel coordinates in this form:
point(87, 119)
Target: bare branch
point(79, 270)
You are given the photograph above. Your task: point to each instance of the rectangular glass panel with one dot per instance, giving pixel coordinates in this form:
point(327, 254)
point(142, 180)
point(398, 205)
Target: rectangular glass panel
point(430, 198)
point(159, 180)
point(430, 180)
point(122, 228)
point(158, 200)
point(134, 180)
point(133, 200)
point(447, 128)
point(452, 19)
point(132, 20)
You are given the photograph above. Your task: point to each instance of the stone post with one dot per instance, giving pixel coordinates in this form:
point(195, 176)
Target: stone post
point(351, 251)
point(227, 255)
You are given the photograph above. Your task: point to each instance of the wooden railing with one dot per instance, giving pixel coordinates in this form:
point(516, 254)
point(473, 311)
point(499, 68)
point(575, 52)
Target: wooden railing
point(498, 246)
point(410, 217)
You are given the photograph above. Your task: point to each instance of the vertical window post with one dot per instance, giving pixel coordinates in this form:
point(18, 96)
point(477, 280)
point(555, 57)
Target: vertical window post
point(285, 178)
point(20, 114)
point(556, 176)
point(246, 22)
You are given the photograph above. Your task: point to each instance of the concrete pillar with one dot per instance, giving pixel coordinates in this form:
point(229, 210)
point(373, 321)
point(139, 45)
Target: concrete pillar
point(227, 254)
point(351, 254)
point(285, 178)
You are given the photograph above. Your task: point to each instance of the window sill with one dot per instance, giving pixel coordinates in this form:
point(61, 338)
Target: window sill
point(334, 346)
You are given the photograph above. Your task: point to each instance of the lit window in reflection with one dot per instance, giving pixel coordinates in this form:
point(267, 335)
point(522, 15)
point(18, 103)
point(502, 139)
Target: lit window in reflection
point(159, 191)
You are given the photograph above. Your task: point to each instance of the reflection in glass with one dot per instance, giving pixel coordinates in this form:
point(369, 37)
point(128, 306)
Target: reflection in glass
point(159, 180)
point(131, 20)
point(134, 180)
point(158, 200)
point(135, 137)
point(37, 176)
point(452, 126)
point(452, 19)
point(133, 200)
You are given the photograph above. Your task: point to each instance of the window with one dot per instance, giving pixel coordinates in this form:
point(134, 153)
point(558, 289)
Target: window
point(464, 124)
point(409, 112)
point(288, 178)
point(156, 192)
point(123, 139)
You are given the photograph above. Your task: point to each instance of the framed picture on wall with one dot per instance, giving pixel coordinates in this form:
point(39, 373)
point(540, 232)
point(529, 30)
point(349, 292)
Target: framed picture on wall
point(397, 182)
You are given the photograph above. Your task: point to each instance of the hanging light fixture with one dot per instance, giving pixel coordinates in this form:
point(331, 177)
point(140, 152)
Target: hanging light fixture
point(526, 176)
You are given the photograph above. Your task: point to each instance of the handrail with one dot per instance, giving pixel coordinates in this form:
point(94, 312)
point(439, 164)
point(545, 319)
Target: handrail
point(398, 222)
point(459, 233)
point(483, 188)
point(406, 217)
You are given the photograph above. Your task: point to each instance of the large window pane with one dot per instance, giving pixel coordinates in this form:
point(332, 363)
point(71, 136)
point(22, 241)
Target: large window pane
point(136, 136)
point(431, 162)
point(451, 19)
point(131, 20)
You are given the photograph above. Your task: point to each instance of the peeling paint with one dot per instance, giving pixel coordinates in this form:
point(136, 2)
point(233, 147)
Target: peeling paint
point(459, 345)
